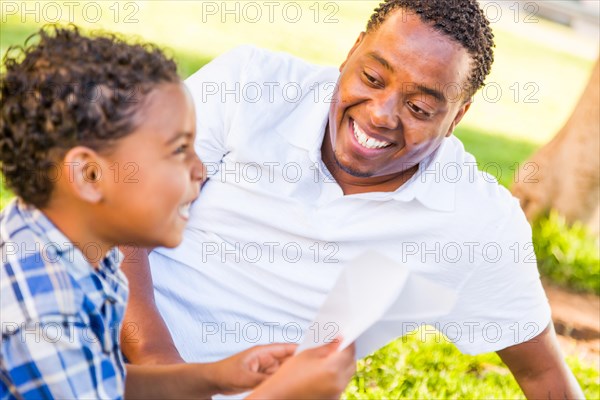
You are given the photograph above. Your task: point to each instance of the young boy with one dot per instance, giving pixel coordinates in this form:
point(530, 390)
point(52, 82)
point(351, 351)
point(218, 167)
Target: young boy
point(97, 141)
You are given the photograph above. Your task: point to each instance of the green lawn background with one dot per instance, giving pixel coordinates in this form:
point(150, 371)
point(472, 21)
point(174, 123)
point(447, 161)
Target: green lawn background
point(548, 62)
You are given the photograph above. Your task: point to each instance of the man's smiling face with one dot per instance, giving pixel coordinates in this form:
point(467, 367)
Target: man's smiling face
point(397, 98)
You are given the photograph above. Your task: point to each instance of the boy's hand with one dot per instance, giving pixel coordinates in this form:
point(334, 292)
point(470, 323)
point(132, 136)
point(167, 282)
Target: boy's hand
point(319, 373)
point(245, 370)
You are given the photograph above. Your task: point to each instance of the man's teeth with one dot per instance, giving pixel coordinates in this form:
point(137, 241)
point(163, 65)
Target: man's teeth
point(184, 210)
point(367, 141)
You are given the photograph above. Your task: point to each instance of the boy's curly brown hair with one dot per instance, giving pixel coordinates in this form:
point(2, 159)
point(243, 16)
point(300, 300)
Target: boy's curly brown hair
point(64, 89)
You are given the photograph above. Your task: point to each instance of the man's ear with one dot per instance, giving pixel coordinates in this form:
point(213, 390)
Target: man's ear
point(82, 167)
point(459, 115)
point(360, 38)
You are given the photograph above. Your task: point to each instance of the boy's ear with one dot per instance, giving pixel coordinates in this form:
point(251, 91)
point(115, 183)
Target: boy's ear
point(82, 167)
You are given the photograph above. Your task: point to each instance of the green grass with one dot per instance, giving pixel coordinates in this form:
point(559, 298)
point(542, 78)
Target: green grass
point(434, 369)
point(5, 194)
point(485, 147)
point(567, 255)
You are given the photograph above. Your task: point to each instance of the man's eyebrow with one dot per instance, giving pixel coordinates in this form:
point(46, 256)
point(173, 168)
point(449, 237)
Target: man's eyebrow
point(381, 61)
point(178, 136)
point(439, 96)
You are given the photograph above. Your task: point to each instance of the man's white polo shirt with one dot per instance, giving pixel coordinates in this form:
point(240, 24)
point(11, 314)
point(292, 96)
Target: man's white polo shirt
point(271, 230)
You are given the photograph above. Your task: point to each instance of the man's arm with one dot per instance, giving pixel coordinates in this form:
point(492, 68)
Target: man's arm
point(145, 338)
point(540, 369)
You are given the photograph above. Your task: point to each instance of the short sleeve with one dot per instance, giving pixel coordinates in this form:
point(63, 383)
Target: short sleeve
point(53, 360)
point(502, 303)
point(216, 90)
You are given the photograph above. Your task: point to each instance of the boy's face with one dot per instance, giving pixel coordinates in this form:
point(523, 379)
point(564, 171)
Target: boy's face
point(153, 174)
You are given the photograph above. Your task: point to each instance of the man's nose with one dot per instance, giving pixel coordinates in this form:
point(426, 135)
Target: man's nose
point(384, 112)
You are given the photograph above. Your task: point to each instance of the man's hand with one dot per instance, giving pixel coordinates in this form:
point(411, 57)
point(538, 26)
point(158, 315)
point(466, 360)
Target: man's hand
point(319, 373)
point(539, 368)
point(244, 371)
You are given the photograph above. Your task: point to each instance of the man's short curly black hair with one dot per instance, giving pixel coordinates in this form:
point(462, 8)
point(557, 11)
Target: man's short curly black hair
point(64, 89)
point(462, 20)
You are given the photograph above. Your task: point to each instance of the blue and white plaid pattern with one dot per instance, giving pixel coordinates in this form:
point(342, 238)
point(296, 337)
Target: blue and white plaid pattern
point(60, 317)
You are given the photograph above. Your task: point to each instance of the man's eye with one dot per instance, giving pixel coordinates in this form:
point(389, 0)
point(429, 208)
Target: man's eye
point(371, 79)
point(418, 110)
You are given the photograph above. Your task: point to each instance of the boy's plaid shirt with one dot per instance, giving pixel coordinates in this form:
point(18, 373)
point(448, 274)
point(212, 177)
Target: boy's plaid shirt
point(60, 318)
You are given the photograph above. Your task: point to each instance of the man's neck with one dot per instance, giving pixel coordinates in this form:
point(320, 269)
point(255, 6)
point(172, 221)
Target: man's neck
point(351, 184)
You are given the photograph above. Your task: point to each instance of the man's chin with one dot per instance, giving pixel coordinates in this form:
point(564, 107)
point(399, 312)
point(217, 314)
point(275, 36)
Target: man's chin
point(349, 170)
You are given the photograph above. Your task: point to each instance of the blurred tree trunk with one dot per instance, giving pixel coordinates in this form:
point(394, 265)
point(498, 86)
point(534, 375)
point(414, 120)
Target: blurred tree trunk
point(565, 173)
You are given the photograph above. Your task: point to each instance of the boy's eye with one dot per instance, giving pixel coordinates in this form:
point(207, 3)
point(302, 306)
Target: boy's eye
point(181, 149)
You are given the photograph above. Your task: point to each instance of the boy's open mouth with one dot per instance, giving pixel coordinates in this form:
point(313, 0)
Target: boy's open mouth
point(184, 210)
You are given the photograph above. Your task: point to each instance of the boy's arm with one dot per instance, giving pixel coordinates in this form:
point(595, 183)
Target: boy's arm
point(145, 338)
point(539, 368)
point(52, 360)
point(318, 373)
point(236, 374)
point(181, 381)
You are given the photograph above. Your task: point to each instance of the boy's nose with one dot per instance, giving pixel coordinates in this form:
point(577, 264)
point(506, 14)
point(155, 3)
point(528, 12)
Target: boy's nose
point(198, 172)
point(198, 175)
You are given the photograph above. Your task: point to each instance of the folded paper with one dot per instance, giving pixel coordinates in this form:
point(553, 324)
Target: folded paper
point(374, 301)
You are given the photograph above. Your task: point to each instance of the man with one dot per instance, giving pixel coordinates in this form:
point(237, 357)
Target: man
point(305, 177)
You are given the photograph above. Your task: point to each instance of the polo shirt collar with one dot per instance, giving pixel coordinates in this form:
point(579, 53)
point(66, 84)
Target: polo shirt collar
point(305, 124)
point(430, 184)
